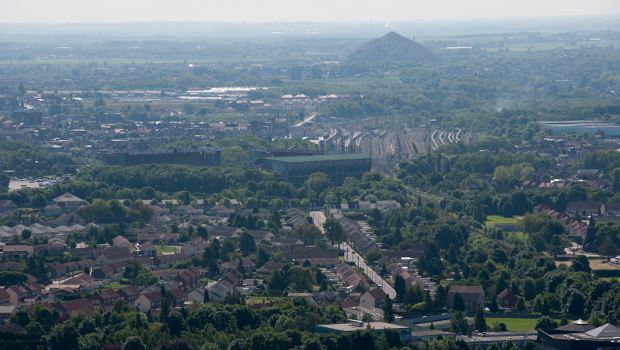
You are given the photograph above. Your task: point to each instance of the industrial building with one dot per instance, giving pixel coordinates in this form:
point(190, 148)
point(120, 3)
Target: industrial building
point(578, 336)
point(337, 166)
point(206, 156)
point(582, 127)
point(27, 117)
point(355, 325)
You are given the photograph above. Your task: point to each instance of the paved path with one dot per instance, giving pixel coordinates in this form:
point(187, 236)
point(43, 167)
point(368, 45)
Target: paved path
point(318, 218)
point(358, 260)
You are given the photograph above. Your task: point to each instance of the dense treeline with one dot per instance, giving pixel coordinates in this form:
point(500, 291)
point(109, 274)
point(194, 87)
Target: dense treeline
point(28, 160)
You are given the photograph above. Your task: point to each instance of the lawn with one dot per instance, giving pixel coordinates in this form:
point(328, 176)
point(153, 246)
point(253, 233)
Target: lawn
point(514, 324)
point(166, 249)
point(496, 219)
point(116, 286)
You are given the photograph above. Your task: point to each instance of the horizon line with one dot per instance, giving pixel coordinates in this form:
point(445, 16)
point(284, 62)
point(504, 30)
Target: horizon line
point(352, 21)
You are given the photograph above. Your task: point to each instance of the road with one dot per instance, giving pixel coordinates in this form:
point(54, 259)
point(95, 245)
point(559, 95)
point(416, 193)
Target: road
point(318, 218)
point(353, 256)
point(307, 119)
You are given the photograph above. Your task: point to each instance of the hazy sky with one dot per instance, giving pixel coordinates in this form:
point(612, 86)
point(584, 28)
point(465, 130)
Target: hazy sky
point(56, 11)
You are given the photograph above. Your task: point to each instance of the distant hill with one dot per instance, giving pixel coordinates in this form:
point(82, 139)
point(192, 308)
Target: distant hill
point(391, 48)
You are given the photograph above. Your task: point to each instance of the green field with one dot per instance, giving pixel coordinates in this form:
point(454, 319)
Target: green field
point(496, 219)
point(514, 324)
point(166, 249)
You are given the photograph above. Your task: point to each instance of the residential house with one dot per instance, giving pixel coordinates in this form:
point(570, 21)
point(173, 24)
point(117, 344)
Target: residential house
point(159, 238)
point(313, 255)
point(585, 208)
point(129, 294)
point(17, 294)
point(177, 296)
point(196, 296)
point(7, 207)
point(195, 246)
point(17, 251)
point(6, 311)
point(612, 209)
point(233, 277)
point(148, 249)
point(68, 202)
point(105, 298)
point(122, 242)
point(52, 210)
point(188, 278)
point(57, 269)
point(268, 268)
point(473, 297)
point(219, 290)
point(34, 290)
point(113, 254)
point(148, 301)
point(77, 306)
point(168, 260)
point(374, 297)
point(507, 300)
point(224, 232)
point(5, 298)
point(102, 272)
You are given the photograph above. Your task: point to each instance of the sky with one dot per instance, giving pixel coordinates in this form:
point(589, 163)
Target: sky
point(81, 11)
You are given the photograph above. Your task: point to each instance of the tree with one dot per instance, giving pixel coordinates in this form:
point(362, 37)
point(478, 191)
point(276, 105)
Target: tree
point(164, 311)
point(458, 323)
point(440, 297)
point(38, 201)
point(261, 257)
point(388, 310)
point(134, 343)
point(318, 182)
point(63, 337)
point(545, 323)
point(201, 231)
point(179, 344)
point(580, 263)
point(175, 324)
point(480, 323)
point(300, 279)
point(520, 305)
point(590, 232)
point(576, 304)
point(4, 182)
point(26, 234)
point(246, 243)
point(333, 229)
point(458, 304)
point(21, 317)
point(400, 286)
point(307, 233)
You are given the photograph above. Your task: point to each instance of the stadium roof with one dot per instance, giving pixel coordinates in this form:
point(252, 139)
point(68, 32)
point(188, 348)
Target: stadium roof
point(321, 158)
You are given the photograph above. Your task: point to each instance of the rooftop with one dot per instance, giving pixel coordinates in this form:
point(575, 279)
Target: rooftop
point(352, 327)
point(321, 158)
